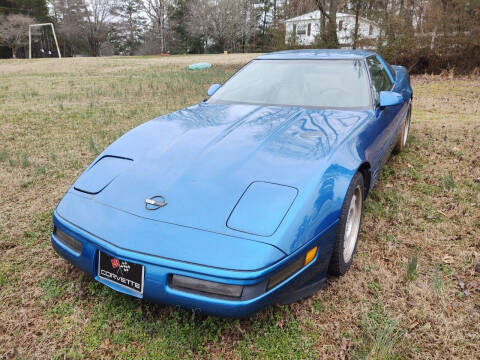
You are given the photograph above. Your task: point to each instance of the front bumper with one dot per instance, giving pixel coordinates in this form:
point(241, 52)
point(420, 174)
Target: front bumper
point(159, 271)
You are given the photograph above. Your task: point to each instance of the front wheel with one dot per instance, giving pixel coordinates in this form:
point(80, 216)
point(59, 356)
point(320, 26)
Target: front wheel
point(402, 141)
point(348, 227)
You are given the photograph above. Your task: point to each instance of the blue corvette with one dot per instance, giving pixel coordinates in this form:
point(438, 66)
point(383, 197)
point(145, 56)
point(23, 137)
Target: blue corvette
point(249, 198)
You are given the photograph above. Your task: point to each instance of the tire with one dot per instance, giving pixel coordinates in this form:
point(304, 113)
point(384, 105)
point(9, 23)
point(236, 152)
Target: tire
point(348, 227)
point(402, 140)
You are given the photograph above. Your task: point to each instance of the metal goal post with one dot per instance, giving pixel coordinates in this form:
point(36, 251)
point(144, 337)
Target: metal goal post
point(30, 38)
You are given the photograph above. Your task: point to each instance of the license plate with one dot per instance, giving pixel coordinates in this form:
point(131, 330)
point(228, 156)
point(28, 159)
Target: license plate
point(121, 272)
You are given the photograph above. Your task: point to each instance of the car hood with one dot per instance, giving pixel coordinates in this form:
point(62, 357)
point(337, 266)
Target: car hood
point(203, 158)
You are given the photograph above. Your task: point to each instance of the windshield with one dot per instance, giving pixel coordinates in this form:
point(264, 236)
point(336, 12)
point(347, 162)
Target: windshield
point(304, 83)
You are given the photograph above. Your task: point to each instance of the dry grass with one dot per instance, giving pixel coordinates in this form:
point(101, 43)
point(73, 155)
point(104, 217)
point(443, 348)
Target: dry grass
point(414, 289)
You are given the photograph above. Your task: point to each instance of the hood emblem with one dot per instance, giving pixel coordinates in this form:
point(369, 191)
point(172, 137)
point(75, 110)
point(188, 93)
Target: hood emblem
point(155, 202)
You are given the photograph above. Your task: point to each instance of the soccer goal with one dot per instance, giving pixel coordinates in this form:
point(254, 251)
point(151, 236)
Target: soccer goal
point(44, 44)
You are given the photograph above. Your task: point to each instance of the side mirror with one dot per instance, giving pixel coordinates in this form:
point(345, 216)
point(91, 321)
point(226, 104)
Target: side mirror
point(213, 89)
point(390, 98)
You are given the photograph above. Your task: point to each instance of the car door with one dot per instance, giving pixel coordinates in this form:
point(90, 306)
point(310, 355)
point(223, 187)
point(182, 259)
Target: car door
point(384, 124)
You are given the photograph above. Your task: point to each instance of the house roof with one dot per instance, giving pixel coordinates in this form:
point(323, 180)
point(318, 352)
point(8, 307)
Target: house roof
point(312, 54)
point(315, 15)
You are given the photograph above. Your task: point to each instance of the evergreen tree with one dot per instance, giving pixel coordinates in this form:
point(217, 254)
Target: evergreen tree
point(128, 34)
point(36, 9)
point(265, 22)
point(180, 40)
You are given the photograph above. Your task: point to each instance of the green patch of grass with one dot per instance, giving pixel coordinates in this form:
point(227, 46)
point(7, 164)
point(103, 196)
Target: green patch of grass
point(280, 336)
point(448, 182)
point(381, 336)
point(3, 155)
point(318, 306)
point(94, 288)
point(24, 184)
point(456, 153)
point(40, 228)
point(93, 147)
point(173, 333)
point(40, 170)
point(52, 287)
point(61, 309)
point(3, 277)
point(25, 162)
point(415, 174)
point(428, 189)
point(432, 217)
point(69, 353)
point(30, 236)
point(374, 287)
point(411, 273)
point(437, 280)
point(123, 320)
point(10, 272)
point(384, 204)
point(390, 238)
point(374, 205)
point(445, 269)
point(386, 173)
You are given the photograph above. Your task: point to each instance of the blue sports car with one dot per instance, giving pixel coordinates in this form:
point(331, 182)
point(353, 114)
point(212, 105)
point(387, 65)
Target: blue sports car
point(248, 198)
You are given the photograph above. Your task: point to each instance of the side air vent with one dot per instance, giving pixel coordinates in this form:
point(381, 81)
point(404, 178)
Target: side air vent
point(68, 241)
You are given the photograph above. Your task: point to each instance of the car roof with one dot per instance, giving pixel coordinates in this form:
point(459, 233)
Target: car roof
point(313, 54)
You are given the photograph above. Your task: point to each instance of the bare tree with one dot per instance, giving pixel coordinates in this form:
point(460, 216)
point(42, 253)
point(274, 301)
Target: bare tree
point(247, 23)
point(330, 14)
point(219, 20)
point(156, 11)
point(70, 17)
point(14, 31)
point(357, 5)
point(98, 23)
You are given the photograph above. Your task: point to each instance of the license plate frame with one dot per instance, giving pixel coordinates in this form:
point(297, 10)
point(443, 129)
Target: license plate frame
point(126, 274)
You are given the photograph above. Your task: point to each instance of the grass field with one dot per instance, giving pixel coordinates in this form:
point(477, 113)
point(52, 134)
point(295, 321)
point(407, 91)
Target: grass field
point(414, 288)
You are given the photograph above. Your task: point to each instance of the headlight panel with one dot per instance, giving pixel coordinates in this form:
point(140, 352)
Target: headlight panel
point(68, 241)
point(204, 286)
point(239, 292)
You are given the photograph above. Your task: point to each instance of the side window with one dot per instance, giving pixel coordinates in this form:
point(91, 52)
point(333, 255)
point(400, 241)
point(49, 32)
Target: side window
point(381, 80)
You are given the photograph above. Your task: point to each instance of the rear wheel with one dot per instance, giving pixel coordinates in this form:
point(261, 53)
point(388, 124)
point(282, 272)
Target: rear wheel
point(348, 227)
point(402, 140)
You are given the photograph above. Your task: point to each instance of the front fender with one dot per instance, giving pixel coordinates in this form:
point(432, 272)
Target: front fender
point(319, 203)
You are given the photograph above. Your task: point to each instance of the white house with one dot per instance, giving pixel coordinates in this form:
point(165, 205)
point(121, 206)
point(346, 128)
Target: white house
point(306, 27)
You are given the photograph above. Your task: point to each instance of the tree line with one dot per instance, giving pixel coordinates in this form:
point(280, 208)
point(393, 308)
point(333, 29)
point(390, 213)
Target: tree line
point(425, 35)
